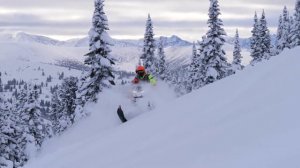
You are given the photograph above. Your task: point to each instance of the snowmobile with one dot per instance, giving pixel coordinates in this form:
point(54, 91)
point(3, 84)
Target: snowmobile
point(137, 96)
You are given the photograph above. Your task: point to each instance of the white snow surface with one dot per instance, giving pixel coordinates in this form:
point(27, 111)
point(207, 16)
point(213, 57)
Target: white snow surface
point(247, 120)
point(27, 61)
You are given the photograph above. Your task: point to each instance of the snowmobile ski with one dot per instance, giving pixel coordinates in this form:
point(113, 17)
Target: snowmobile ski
point(121, 114)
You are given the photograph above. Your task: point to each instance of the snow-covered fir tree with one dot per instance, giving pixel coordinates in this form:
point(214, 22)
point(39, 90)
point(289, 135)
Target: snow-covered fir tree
point(169, 75)
point(291, 25)
point(148, 55)
point(286, 29)
point(5, 140)
point(237, 56)
point(254, 45)
point(289, 30)
point(193, 69)
point(201, 68)
point(80, 101)
point(279, 36)
point(214, 60)
point(260, 40)
point(68, 96)
point(178, 79)
point(196, 72)
point(161, 66)
point(55, 111)
point(283, 32)
point(22, 98)
point(265, 38)
point(63, 105)
point(37, 126)
point(12, 139)
point(98, 59)
point(1, 86)
point(21, 127)
point(295, 28)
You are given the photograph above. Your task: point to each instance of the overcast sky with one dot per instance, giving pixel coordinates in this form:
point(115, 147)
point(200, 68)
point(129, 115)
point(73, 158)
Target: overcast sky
point(65, 19)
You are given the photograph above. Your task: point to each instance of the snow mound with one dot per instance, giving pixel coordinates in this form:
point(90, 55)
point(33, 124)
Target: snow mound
point(247, 120)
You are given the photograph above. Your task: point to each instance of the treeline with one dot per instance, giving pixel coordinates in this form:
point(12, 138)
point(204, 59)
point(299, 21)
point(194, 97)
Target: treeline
point(209, 62)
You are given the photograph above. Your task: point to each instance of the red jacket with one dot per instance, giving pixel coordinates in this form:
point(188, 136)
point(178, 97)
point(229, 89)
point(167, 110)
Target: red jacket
point(147, 78)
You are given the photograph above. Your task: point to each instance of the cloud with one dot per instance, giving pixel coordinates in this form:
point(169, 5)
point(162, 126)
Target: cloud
point(25, 4)
point(127, 17)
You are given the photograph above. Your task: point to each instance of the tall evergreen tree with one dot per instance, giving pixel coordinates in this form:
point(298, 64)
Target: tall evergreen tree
point(179, 80)
point(1, 87)
point(22, 98)
point(282, 40)
point(291, 25)
point(254, 44)
point(5, 139)
point(295, 30)
point(193, 69)
point(261, 40)
point(56, 109)
point(63, 105)
point(38, 127)
point(237, 56)
point(12, 140)
point(286, 28)
point(216, 66)
point(279, 36)
point(68, 94)
point(265, 38)
point(161, 60)
point(100, 74)
point(148, 56)
point(196, 71)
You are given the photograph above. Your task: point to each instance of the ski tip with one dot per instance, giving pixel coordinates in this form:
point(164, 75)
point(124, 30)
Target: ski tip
point(121, 114)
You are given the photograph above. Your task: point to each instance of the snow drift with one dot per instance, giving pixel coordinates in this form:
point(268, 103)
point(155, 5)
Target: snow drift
point(248, 120)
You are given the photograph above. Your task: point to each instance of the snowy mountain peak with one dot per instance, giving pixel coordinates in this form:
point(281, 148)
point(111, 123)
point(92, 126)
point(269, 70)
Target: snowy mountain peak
point(29, 38)
point(167, 41)
point(174, 41)
point(84, 42)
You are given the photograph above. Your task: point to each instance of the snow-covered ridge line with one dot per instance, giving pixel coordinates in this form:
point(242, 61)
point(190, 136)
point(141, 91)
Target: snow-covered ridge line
point(23, 46)
point(83, 42)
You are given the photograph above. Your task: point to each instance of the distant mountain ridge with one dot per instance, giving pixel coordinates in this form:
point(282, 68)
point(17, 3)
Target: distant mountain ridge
point(24, 37)
point(173, 41)
point(29, 38)
point(167, 41)
point(84, 42)
point(23, 46)
point(126, 52)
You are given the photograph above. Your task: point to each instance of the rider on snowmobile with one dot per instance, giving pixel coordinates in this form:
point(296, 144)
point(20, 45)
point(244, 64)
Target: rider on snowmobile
point(142, 75)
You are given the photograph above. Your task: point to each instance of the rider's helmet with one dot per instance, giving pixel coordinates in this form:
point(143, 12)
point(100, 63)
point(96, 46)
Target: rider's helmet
point(140, 70)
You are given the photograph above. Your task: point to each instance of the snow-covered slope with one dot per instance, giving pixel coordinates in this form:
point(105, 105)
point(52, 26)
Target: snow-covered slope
point(247, 120)
point(27, 61)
